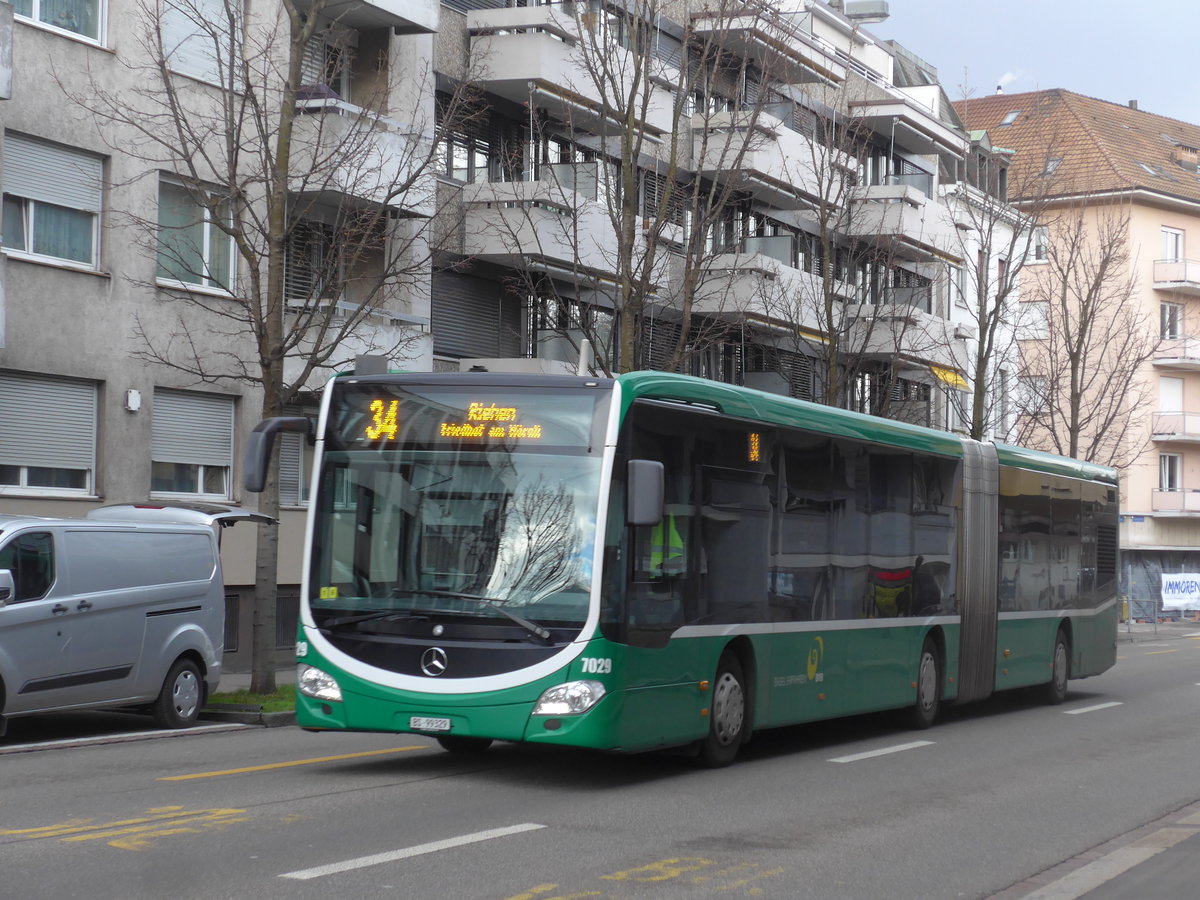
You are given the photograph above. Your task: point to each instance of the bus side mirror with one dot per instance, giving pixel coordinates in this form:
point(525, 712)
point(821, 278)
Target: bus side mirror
point(261, 442)
point(7, 587)
point(644, 502)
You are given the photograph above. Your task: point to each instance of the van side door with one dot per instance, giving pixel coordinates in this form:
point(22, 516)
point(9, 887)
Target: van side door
point(35, 629)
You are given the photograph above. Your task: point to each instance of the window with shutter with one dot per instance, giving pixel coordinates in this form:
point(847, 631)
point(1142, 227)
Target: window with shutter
point(199, 38)
point(52, 197)
point(191, 444)
point(48, 442)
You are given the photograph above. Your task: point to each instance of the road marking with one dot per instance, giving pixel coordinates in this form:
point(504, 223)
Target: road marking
point(137, 833)
point(118, 737)
point(1087, 709)
point(289, 764)
point(1091, 876)
point(1194, 634)
point(884, 751)
point(419, 850)
point(1155, 652)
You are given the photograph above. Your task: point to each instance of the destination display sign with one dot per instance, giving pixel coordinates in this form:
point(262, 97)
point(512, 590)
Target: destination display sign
point(392, 415)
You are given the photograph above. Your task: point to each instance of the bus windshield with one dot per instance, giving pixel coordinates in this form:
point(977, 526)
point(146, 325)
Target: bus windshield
point(458, 505)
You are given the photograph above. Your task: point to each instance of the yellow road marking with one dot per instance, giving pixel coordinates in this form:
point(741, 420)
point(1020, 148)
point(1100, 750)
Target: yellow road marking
point(1156, 652)
point(287, 765)
point(136, 833)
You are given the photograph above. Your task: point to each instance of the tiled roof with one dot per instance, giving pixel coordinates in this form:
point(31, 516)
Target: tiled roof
point(1102, 146)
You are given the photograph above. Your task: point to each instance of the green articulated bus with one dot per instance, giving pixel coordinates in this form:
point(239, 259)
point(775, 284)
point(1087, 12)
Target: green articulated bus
point(655, 560)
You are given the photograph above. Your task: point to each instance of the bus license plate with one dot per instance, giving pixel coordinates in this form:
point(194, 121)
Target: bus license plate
point(424, 723)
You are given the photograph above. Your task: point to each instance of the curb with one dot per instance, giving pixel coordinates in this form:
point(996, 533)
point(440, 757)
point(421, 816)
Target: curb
point(247, 715)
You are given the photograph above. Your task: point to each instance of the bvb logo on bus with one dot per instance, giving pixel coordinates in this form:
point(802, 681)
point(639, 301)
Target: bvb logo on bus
point(815, 654)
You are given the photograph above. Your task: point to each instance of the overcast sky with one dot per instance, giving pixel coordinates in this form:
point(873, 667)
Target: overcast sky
point(1142, 51)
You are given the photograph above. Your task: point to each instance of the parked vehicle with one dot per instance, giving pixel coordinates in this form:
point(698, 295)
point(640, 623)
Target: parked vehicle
point(123, 608)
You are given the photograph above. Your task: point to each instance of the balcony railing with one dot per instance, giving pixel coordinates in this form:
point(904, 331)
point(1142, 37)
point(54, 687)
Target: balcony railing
point(1180, 275)
point(1175, 501)
point(1180, 426)
point(1182, 351)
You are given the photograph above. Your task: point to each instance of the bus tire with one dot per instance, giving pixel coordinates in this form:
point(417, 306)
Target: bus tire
point(460, 743)
point(182, 695)
point(726, 715)
point(1054, 691)
point(929, 685)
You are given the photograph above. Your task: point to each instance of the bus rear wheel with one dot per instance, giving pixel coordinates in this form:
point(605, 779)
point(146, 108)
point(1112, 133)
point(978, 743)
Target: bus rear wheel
point(929, 685)
point(726, 715)
point(1054, 691)
point(458, 743)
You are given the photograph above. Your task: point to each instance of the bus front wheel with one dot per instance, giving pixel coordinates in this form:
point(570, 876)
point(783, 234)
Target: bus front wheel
point(929, 684)
point(726, 715)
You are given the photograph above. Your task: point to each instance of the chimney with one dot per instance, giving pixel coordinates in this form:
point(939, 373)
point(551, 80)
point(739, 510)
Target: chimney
point(999, 89)
point(1133, 104)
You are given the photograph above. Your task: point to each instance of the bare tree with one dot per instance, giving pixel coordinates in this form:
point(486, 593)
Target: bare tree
point(996, 244)
point(290, 229)
point(637, 195)
point(1083, 384)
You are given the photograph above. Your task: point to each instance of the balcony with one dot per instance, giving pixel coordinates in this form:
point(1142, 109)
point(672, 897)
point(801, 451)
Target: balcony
point(554, 224)
point(764, 157)
point(1180, 276)
point(403, 16)
point(1178, 353)
point(1180, 427)
point(781, 44)
point(1179, 503)
point(908, 124)
point(757, 285)
point(343, 151)
point(901, 217)
point(537, 56)
point(900, 328)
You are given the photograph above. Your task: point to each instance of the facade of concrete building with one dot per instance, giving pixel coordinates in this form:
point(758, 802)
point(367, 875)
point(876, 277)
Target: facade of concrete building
point(1108, 159)
point(529, 174)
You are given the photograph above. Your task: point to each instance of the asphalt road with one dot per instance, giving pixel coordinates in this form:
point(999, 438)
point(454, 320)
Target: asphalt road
point(1008, 799)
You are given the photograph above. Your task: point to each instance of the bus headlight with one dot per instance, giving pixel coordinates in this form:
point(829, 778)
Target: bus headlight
point(312, 682)
point(569, 699)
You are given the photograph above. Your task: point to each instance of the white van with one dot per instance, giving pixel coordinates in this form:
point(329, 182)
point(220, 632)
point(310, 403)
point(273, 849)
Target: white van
point(123, 608)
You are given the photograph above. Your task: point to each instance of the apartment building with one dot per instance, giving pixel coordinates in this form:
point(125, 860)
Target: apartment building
point(773, 198)
point(1102, 164)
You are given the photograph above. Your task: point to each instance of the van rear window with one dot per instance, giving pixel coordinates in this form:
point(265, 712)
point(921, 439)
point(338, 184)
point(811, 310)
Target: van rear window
point(111, 560)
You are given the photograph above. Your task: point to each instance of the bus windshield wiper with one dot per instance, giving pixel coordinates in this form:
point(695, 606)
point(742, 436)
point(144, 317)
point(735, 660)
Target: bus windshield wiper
point(532, 627)
point(363, 617)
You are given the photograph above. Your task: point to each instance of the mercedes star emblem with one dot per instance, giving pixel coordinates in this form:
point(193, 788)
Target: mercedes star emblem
point(433, 661)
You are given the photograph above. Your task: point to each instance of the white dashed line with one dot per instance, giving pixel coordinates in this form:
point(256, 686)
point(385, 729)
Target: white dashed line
point(419, 850)
point(1088, 709)
point(883, 751)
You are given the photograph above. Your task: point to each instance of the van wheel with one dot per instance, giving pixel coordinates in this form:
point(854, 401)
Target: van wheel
point(178, 703)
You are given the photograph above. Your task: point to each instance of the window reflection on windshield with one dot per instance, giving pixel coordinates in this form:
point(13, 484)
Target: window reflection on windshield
point(517, 528)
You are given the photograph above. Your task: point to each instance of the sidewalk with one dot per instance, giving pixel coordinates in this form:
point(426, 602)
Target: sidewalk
point(1150, 631)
